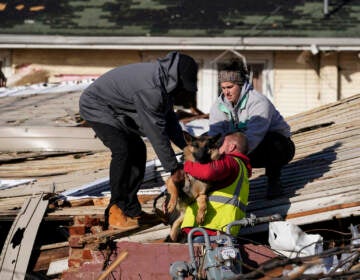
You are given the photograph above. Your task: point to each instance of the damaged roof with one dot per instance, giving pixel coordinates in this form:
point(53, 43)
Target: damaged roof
point(321, 182)
point(234, 18)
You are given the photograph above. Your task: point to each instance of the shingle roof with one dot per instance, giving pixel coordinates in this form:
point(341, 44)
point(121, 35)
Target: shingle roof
point(230, 18)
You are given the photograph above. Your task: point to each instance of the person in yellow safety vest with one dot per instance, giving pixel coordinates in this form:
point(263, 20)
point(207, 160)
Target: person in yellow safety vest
point(230, 187)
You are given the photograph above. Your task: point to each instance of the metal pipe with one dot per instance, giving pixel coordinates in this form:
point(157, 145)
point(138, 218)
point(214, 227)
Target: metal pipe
point(190, 241)
point(326, 7)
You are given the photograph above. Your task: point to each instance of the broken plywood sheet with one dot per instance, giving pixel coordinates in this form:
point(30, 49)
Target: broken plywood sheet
point(54, 139)
point(18, 245)
point(55, 109)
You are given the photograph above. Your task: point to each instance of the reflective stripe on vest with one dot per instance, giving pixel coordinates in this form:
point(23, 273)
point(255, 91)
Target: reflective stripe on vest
point(230, 201)
point(234, 200)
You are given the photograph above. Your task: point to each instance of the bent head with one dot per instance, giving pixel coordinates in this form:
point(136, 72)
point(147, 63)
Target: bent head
point(187, 72)
point(236, 141)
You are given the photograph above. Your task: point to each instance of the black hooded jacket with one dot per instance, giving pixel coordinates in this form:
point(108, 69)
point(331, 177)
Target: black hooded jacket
point(136, 98)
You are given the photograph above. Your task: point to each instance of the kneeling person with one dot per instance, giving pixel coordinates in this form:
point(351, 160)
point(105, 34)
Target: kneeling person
point(229, 178)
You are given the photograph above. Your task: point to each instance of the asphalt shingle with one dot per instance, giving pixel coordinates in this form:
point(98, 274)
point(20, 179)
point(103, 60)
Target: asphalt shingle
point(181, 18)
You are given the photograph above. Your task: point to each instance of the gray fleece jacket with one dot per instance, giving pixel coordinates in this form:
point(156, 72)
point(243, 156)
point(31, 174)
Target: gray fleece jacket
point(137, 98)
point(254, 114)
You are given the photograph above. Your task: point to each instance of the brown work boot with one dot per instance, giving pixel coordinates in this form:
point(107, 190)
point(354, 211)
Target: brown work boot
point(148, 219)
point(118, 220)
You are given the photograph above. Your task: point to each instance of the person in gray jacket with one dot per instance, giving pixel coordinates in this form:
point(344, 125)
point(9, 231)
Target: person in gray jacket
point(241, 108)
point(129, 102)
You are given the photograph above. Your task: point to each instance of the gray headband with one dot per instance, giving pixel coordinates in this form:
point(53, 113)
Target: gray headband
point(231, 76)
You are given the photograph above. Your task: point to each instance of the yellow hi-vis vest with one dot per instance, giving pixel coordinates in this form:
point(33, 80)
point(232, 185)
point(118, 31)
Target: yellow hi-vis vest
point(224, 205)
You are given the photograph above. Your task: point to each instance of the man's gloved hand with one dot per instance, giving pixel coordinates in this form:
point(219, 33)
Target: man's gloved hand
point(173, 183)
point(178, 176)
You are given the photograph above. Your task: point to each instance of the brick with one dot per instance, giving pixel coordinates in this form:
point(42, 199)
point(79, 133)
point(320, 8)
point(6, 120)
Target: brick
point(74, 242)
point(87, 254)
point(79, 220)
point(77, 230)
point(91, 221)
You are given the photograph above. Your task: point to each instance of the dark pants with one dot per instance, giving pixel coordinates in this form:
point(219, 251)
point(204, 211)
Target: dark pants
point(127, 167)
point(272, 153)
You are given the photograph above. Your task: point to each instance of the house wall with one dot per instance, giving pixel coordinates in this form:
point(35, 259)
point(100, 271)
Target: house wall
point(5, 59)
point(296, 83)
point(70, 64)
point(294, 80)
point(303, 81)
point(349, 69)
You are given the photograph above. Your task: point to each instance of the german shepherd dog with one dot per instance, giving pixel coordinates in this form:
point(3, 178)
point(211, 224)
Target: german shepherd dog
point(202, 149)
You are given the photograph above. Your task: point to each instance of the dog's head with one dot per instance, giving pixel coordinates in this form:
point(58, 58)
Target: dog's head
point(202, 148)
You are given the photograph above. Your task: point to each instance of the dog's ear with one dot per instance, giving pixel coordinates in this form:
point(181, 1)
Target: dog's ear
point(188, 137)
point(217, 140)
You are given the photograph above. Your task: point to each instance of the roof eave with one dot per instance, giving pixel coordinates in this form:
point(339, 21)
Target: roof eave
point(174, 43)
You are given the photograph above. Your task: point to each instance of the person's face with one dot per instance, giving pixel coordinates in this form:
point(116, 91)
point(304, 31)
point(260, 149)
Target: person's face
point(231, 91)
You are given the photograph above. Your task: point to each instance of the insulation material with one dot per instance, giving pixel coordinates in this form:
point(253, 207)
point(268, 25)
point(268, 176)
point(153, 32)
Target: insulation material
point(7, 183)
point(291, 241)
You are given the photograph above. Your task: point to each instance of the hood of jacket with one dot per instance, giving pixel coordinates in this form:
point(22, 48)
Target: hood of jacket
point(168, 70)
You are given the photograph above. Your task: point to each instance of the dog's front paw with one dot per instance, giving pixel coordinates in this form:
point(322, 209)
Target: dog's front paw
point(200, 218)
point(170, 207)
point(200, 215)
point(174, 195)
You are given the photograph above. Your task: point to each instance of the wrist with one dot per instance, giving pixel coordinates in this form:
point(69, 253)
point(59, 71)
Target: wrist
point(179, 166)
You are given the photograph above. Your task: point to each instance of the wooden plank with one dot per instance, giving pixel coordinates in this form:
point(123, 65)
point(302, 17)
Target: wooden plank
point(322, 210)
point(327, 216)
point(48, 256)
point(317, 203)
point(308, 219)
point(18, 245)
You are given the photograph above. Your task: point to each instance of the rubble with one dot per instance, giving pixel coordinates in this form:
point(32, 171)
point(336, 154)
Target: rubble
point(321, 189)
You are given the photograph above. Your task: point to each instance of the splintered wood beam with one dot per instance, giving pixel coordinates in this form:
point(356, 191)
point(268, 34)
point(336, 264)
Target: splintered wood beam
point(113, 265)
point(322, 210)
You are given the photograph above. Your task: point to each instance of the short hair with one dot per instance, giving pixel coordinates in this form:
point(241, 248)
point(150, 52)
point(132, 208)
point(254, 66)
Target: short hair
point(240, 140)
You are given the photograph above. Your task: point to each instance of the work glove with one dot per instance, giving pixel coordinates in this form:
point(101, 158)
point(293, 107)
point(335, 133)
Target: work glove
point(173, 184)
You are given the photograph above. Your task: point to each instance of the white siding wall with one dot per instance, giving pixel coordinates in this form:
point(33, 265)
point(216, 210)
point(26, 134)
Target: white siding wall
point(207, 84)
point(6, 62)
point(329, 85)
point(296, 85)
point(349, 63)
point(302, 82)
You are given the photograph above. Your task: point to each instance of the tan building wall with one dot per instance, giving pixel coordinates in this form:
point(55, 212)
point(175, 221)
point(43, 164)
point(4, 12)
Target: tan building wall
point(294, 80)
point(303, 81)
point(349, 63)
point(296, 83)
point(58, 64)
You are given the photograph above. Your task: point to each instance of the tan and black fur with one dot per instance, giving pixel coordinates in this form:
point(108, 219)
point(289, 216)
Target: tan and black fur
point(201, 149)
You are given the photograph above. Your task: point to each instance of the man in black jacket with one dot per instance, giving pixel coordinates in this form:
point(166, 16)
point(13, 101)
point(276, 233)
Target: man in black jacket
point(133, 101)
